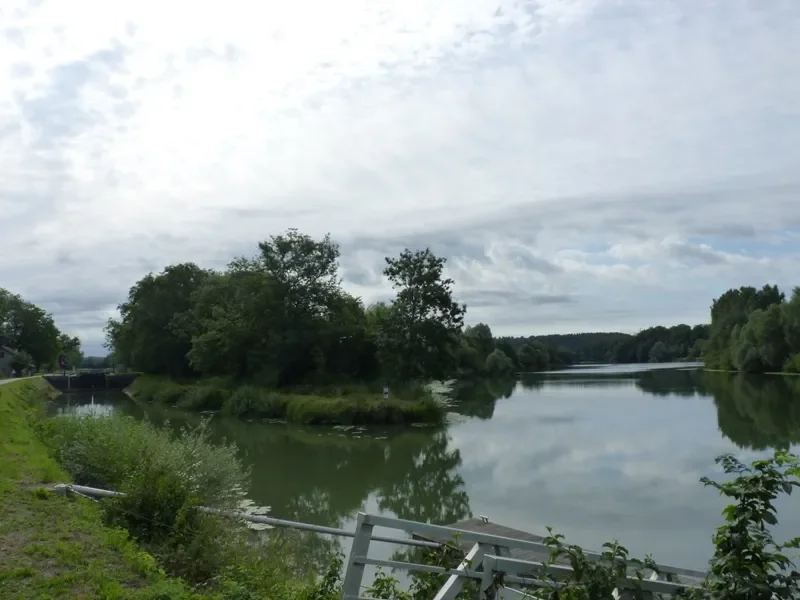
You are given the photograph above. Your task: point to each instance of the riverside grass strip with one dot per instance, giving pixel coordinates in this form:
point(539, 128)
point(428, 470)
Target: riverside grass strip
point(53, 547)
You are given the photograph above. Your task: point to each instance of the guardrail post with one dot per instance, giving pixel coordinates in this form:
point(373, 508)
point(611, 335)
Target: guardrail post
point(454, 583)
point(351, 587)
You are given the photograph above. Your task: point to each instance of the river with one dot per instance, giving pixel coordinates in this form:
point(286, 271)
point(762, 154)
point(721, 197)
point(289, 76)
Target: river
point(597, 453)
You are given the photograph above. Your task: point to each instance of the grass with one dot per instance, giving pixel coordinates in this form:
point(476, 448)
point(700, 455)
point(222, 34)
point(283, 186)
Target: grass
point(52, 546)
point(56, 547)
point(321, 405)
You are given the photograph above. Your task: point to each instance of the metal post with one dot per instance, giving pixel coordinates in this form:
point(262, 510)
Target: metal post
point(454, 583)
point(351, 587)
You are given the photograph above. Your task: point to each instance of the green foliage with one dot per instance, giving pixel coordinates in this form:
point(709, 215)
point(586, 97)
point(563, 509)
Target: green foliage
point(314, 405)
point(660, 344)
point(205, 395)
point(499, 363)
point(281, 319)
point(680, 342)
point(754, 331)
point(165, 478)
point(150, 335)
point(592, 347)
point(26, 328)
point(70, 347)
point(418, 337)
point(111, 452)
point(747, 562)
point(792, 364)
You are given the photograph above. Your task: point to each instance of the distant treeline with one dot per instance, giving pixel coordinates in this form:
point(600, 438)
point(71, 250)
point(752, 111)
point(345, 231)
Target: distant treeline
point(654, 344)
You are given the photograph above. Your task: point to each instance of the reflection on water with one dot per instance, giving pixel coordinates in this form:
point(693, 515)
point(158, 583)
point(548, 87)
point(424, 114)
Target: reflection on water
point(596, 457)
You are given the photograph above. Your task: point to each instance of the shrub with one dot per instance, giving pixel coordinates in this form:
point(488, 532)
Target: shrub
point(204, 396)
point(108, 452)
point(149, 388)
point(498, 363)
point(250, 401)
point(792, 364)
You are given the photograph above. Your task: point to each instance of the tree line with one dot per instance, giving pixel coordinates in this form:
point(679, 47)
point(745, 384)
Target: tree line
point(654, 344)
point(755, 331)
point(282, 318)
point(31, 333)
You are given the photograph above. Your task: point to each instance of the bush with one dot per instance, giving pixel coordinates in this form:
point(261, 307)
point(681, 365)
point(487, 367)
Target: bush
point(250, 401)
point(316, 410)
point(109, 452)
point(498, 363)
point(204, 396)
point(349, 404)
point(150, 388)
point(792, 364)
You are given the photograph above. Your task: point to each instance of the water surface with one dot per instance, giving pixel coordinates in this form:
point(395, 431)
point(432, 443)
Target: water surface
point(596, 453)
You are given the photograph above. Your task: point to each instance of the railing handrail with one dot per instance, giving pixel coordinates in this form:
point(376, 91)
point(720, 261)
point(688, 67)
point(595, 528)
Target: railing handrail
point(443, 532)
point(492, 563)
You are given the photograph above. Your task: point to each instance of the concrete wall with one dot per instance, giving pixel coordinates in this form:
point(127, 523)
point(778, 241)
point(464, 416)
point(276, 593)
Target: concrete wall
point(89, 381)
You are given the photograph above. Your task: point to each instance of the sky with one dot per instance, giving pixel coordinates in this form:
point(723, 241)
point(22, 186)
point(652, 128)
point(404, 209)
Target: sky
point(583, 165)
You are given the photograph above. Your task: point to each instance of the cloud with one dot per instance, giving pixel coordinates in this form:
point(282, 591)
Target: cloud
point(633, 159)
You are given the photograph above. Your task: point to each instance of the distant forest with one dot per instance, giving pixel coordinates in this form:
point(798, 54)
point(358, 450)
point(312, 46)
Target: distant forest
point(654, 344)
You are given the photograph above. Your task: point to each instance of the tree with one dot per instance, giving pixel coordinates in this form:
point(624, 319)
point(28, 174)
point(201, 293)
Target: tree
point(421, 333)
point(533, 357)
point(150, 334)
point(658, 352)
point(480, 337)
point(26, 327)
point(498, 363)
point(70, 347)
point(508, 350)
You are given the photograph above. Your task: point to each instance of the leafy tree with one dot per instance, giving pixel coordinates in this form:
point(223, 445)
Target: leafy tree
point(509, 351)
point(498, 363)
point(533, 357)
point(729, 312)
point(658, 352)
point(419, 337)
point(28, 328)
point(149, 334)
point(480, 337)
point(70, 347)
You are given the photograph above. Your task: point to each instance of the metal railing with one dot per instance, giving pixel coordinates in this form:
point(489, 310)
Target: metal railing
point(82, 490)
point(489, 560)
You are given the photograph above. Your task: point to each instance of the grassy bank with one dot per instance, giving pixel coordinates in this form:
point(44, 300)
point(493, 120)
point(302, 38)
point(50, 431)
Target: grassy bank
point(344, 405)
point(51, 546)
point(57, 547)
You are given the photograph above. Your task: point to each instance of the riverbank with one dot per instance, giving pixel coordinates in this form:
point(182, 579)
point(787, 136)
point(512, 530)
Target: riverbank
point(345, 405)
point(52, 546)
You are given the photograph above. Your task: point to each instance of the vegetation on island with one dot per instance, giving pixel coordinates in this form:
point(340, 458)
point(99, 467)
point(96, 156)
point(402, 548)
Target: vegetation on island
point(277, 336)
point(70, 546)
point(32, 334)
point(755, 331)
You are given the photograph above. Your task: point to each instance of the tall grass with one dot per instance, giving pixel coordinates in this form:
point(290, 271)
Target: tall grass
point(165, 478)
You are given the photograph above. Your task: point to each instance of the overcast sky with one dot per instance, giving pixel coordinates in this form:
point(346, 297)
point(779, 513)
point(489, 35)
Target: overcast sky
point(582, 164)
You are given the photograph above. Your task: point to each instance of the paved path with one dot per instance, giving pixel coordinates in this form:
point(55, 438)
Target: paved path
point(13, 379)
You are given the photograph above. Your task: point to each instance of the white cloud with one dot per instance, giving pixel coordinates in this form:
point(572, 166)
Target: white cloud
point(584, 164)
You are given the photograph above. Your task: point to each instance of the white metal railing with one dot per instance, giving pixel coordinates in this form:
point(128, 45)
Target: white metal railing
point(91, 493)
point(489, 561)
